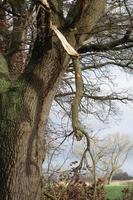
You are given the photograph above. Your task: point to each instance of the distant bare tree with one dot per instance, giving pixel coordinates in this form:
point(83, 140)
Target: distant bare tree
point(118, 147)
point(105, 156)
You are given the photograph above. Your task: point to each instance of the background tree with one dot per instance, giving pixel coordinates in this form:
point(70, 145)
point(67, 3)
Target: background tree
point(106, 156)
point(121, 175)
point(118, 146)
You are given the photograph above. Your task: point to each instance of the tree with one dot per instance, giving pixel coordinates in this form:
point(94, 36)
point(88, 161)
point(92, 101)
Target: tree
point(105, 157)
point(121, 175)
point(118, 147)
point(90, 156)
point(32, 62)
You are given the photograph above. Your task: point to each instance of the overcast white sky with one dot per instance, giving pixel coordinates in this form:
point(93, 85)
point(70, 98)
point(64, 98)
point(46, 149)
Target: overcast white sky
point(122, 123)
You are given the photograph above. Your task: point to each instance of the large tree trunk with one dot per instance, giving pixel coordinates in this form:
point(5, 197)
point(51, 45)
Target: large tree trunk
point(24, 113)
point(23, 117)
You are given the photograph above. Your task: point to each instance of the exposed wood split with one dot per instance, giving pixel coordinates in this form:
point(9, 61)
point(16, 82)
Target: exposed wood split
point(69, 49)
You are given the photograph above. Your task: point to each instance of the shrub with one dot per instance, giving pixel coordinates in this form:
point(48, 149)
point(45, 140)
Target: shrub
point(78, 190)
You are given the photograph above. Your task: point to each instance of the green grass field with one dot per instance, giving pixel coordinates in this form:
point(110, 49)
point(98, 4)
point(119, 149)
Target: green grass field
point(113, 191)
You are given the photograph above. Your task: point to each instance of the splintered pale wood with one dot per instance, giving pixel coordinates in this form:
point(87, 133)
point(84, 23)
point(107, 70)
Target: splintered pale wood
point(69, 49)
point(45, 3)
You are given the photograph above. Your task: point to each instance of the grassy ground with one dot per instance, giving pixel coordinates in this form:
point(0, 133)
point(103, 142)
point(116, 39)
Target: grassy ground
point(113, 191)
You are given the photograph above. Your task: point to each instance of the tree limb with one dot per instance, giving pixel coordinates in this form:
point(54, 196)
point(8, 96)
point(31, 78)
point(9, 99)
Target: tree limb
point(107, 46)
point(76, 100)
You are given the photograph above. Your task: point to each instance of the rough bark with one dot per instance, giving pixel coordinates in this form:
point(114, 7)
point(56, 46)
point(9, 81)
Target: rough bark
point(22, 146)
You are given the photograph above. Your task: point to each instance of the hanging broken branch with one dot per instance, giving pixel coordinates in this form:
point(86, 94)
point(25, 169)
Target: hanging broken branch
point(77, 127)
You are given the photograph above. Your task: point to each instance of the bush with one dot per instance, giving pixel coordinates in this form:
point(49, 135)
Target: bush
point(127, 193)
point(78, 190)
